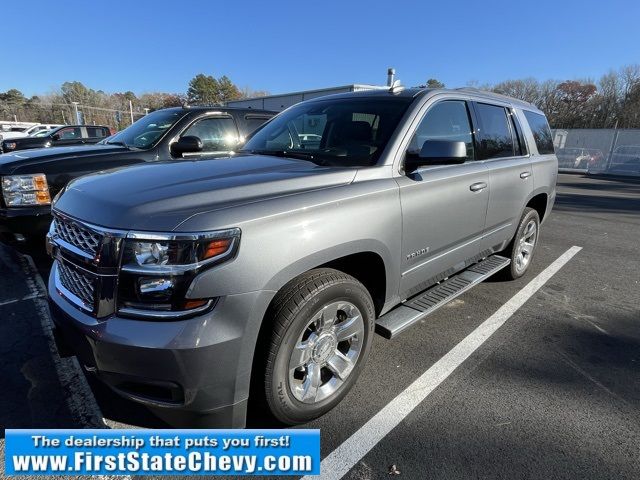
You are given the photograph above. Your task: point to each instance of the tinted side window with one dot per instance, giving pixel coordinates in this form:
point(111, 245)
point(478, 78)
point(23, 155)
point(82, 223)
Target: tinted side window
point(252, 122)
point(217, 134)
point(541, 132)
point(494, 135)
point(447, 120)
point(95, 132)
point(70, 133)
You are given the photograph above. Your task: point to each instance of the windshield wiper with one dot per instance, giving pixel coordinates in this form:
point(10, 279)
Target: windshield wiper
point(287, 153)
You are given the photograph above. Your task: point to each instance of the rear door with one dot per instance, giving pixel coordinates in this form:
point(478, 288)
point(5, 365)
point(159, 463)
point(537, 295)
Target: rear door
point(443, 206)
point(503, 150)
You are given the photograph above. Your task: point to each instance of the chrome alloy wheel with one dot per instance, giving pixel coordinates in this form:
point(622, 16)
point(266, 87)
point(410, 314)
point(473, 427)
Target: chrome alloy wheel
point(326, 352)
point(526, 244)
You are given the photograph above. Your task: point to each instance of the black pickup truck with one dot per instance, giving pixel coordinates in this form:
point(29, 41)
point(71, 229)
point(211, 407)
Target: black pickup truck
point(30, 179)
point(58, 137)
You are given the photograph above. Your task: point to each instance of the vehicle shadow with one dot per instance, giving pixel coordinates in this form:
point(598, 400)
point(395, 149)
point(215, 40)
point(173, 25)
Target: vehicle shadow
point(605, 185)
point(595, 203)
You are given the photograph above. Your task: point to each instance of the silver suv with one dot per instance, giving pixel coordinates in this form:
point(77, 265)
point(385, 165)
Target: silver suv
point(194, 287)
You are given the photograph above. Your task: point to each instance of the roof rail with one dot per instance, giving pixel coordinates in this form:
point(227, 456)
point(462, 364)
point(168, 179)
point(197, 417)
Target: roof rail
point(489, 93)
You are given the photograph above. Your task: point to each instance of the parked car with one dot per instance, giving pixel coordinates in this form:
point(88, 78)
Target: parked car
point(59, 137)
point(31, 131)
point(580, 158)
point(30, 179)
point(186, 285)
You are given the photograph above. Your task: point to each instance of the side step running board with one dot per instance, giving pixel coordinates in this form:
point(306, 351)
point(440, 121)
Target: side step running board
point(416, 308)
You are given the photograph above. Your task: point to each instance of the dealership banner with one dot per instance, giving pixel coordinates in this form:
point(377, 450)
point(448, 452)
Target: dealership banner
point(162, 452)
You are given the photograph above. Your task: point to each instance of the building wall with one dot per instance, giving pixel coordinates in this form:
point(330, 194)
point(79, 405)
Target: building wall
point(283, 101)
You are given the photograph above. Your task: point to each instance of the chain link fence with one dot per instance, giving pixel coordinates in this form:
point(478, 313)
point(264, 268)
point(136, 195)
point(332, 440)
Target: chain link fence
point(598, 151)
point(65, 114)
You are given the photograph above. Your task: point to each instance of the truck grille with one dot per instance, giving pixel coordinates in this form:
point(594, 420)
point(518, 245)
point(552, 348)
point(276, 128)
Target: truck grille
point(79, 284)
point(86, 240)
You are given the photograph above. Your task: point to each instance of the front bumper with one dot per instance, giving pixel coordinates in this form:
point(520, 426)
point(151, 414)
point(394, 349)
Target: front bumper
point(28, 221)
point(193, 372)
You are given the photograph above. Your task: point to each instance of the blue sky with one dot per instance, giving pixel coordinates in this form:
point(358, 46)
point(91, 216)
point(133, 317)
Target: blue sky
point(283, 46)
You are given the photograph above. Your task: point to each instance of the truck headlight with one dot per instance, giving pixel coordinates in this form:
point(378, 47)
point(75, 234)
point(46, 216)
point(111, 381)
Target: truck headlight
point(25, 190)
point(157, 271)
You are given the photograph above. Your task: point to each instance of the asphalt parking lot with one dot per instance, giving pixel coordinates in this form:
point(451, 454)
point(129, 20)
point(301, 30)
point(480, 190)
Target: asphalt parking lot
point(550, 389)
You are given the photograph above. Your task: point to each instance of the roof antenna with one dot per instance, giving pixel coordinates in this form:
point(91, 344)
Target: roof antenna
point(391, 75)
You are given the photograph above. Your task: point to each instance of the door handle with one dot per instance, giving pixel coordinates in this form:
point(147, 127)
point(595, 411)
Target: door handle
point(477, 187)
point(525, 175)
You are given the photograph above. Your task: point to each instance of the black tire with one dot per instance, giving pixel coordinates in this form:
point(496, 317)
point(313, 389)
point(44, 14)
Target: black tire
point(514, 271)
point(295, 305)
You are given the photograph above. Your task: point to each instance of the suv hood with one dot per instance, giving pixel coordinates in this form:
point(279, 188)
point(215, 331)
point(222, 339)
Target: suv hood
point(9, 162)
point(160, 196)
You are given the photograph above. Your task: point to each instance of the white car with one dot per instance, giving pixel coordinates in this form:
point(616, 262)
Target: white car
point(27, 131)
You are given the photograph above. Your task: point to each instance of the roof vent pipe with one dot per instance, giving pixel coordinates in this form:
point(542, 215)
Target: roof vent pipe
point(391, 75)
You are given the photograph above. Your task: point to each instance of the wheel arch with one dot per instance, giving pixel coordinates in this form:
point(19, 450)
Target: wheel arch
point(539, 202)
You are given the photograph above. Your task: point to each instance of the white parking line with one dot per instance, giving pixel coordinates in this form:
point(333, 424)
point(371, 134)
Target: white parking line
point(16, 300)
point(343, 458)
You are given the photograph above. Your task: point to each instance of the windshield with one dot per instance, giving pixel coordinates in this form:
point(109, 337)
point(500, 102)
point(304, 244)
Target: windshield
point(40, 133)
point(338, 132)
point(146, 131)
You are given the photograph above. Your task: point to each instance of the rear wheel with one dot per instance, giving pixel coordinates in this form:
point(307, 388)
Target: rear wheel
point(522, 247)
point(323, 325)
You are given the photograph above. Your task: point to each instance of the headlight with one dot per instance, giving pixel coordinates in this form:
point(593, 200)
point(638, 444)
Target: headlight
point(25, 190)
point(157, 271)
point(10, 145)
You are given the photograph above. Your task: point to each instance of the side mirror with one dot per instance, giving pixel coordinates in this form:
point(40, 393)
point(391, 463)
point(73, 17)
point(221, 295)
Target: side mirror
point(55, 137)
point(437, 152)
point(187, 144)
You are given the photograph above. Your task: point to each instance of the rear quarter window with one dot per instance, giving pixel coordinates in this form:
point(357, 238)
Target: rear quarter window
point(541, 132)
point(253, 122)
point(96, 132)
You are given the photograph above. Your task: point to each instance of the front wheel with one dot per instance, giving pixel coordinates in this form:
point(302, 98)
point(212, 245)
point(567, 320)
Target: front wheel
point(323, 325)
point(523, 245)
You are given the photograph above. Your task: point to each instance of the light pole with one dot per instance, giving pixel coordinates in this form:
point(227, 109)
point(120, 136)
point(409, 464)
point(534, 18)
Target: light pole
point(75, 106)
point(131, 111)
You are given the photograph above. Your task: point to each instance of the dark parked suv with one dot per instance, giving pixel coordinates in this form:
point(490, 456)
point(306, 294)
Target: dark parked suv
point(187, 285)
point(30, 179)
point(58, 137)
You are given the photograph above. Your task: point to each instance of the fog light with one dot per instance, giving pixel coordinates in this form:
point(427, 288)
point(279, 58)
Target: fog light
point(156, 288)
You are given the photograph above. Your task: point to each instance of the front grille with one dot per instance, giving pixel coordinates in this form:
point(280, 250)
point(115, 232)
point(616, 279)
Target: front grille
point(86, 240)
point(79, 284)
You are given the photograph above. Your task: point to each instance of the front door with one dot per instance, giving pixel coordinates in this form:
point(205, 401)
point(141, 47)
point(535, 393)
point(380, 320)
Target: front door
point(443, 206)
